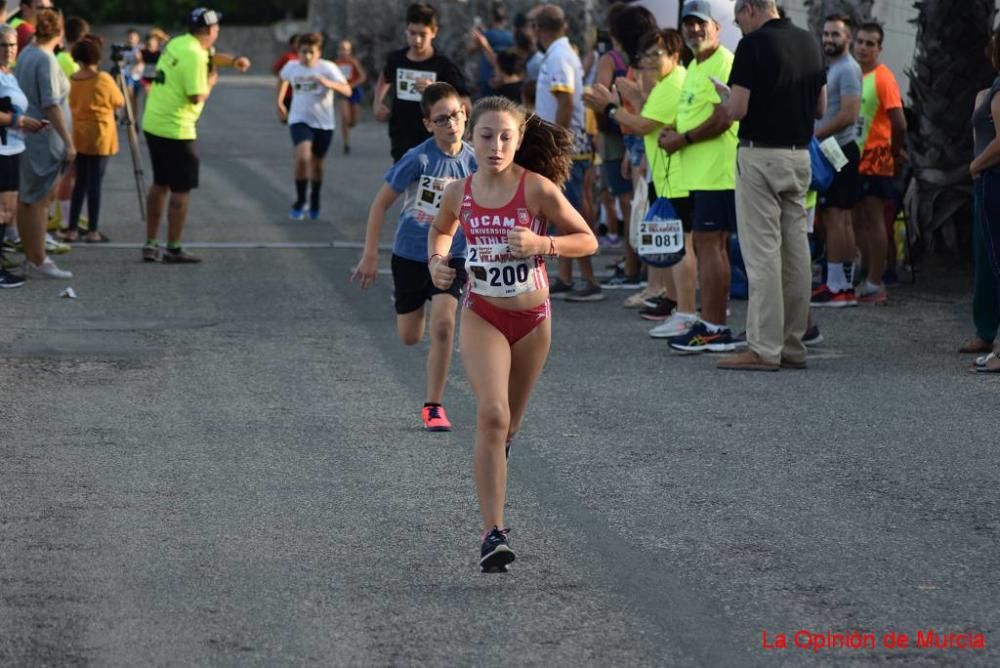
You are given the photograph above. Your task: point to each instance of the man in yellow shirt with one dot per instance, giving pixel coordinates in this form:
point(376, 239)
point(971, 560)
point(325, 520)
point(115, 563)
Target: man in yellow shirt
point(185, 76)
point(705, 140)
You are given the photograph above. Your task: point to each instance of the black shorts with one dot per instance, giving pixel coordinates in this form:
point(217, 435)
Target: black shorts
point(845, 191)
point(713, 211)
point(10, 173)
point(882, 187)
point(412, 286)
point(175, 163)
point(321, 139)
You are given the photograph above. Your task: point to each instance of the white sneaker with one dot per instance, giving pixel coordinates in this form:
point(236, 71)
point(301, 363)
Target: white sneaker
point(676, 325)
point(47, 269)
point(56, 247)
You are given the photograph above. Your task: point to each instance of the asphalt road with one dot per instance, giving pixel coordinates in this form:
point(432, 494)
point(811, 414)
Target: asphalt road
point(223, 464)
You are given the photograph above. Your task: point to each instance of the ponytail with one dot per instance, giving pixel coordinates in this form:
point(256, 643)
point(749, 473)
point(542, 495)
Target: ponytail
point(546, 148)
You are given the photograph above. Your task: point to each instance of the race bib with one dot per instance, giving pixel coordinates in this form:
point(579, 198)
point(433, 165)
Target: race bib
point(305, 84)
point(429, 192)
point(660, 236)
point(494, 272)
point(406, 83)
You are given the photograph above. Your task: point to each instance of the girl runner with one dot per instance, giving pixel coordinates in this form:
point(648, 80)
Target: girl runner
point(422, 173)
point(503, 211)
point(356, 76)
point(310, 117)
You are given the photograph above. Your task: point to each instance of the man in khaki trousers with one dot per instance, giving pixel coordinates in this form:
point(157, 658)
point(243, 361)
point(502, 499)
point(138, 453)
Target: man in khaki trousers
point(778, 90)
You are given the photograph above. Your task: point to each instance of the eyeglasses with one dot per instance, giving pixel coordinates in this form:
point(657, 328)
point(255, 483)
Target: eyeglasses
point(8, 45)
point(454, 117)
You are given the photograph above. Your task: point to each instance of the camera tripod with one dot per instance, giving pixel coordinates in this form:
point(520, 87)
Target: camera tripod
point(128, 120)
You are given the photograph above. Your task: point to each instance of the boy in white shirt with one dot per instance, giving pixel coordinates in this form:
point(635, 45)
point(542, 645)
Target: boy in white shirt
point(310, 118)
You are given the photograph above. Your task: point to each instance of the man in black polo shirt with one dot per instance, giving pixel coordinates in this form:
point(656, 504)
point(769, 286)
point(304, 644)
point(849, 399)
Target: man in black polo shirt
point(778, 90)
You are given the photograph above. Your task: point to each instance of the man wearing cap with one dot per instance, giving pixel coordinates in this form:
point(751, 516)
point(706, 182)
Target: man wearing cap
point(705, 143)
point(185, 75)
point(778, 91)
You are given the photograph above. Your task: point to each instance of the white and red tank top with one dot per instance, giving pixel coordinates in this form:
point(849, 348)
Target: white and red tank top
point(493, 271)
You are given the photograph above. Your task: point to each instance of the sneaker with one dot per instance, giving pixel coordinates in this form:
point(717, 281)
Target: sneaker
point(313, 214)
point(606, 242)
point(872, 294)
point(47, 269)
point(435, 419)
point(6, 264)
point(53, 247)
point(812, 337)
point(652, 302)
point(700, 340)
point(150, 253)
point(297, 213)
point(179, 256)
point(495, 553)
point(623, 282)
point(639, 299)
point(55, 219)
point(675, 326)
point(590, 292)
point(823, 297)
point(660, 312)
point(617, 265)
point(9, 280)
point(14, 245)
point(559, 290)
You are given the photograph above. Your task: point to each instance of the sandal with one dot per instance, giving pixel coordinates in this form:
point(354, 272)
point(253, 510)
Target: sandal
point(69, 236)
point(987, 364)
point(101, 239)
point(976, 345)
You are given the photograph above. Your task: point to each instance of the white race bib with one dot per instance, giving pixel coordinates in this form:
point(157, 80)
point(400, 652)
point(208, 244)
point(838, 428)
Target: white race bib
point(429, 192)
point(660, 236)
point(494, 272)
point(406, 83)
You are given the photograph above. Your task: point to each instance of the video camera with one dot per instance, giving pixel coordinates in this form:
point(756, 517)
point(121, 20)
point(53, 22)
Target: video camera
point(118, 53)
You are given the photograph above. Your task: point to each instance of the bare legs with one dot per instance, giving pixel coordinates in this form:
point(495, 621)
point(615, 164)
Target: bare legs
point(442, 335)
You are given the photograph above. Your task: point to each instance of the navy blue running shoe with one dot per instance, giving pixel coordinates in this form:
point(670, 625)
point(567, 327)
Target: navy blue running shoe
point(699, 340)
point(495, 553)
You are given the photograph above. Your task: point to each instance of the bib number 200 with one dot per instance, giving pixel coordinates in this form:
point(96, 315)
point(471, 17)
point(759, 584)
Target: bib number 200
point(507, 275)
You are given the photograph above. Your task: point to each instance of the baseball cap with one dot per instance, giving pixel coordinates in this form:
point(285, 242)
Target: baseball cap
point(202, 17)
point(701, 9)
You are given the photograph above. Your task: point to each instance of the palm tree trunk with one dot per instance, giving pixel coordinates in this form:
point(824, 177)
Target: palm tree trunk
point(949, 68)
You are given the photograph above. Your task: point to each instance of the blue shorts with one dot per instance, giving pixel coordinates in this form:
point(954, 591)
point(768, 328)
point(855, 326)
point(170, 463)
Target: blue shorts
point(321, 139)
point(713, 210)
point(574, 185)
point(355, 97)
point(611, 172)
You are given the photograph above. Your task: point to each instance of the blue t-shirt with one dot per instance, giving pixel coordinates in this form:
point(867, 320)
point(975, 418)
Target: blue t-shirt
point(500, 40)
point(422, 174)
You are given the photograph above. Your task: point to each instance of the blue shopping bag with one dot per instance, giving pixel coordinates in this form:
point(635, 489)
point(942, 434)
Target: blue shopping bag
point(822, 170)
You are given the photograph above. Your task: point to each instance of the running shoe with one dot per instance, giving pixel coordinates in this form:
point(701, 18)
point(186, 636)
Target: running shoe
point(812, 337)
point(559, 290)
point(872, 294)
point(823, 297)
point(623, 282)
point(590, 292)
point(495, 552)
point(676, 326)
point(7, 264)
point(9, 280)
point(435, 419)
point(53, 247)
point(700, 340)
point(179, 256)
point(13, 245)
point(47, 269)
point(660, 312)
point(150, 253)
point(652, 302)
point(297, 213)
point(606, 242)
point(313, 214)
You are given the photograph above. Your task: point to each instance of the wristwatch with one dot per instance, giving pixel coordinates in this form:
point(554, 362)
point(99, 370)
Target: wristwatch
point(610, 110)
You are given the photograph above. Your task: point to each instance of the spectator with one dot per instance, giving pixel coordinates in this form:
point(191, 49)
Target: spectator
point(292, 53)
point(47, 91)
point(836, 204)
point(705, 142)
point(133, 65)
point(510, 69)
point(498, 38)
point(93, 98)
point(27, 19)
point(559, 100)
point(985, 170)
point(407, 73)
point(13, 125)
point(150, 55)
point(526, 44)
point(882, 137)
point(779, 88)
point(76, 29)
point(185, 77)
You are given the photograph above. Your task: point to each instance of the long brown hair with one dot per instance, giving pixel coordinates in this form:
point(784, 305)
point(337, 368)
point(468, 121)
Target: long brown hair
point(546, 149)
